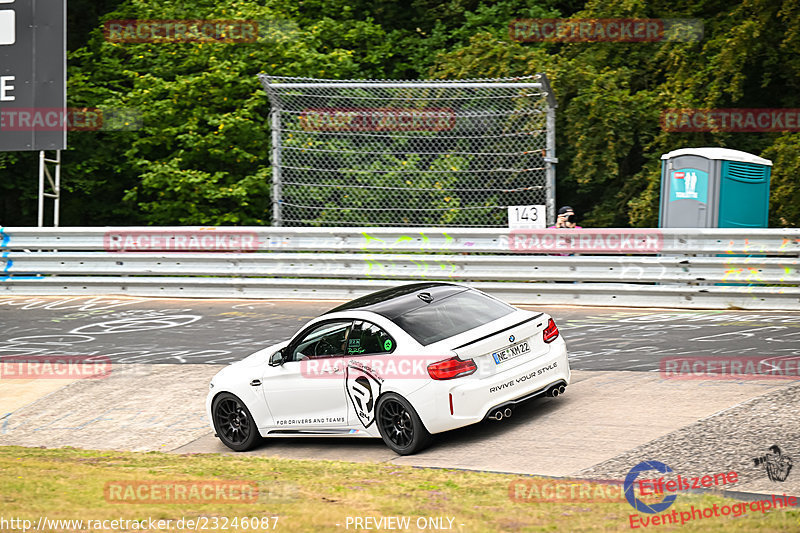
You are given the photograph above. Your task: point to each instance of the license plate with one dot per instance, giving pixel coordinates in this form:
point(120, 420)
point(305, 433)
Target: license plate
point(515, 350)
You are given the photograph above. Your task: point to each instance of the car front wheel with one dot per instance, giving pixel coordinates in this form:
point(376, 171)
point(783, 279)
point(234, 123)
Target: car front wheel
point(400, 425)
point(233, 423)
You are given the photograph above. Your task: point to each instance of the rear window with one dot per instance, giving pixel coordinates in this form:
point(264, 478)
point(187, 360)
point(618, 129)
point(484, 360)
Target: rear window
point(442, 319)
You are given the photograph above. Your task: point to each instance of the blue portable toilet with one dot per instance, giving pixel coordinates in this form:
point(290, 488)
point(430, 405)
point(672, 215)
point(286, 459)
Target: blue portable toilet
point(714, 188)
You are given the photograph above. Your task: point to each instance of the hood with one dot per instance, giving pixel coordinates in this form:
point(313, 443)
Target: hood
point(259, 358)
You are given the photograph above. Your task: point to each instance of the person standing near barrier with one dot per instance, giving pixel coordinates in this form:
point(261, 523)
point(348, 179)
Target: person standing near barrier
point(566, 219)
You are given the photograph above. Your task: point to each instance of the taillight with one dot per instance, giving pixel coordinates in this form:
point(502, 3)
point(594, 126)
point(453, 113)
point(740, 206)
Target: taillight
point(550, 332)
point(451, 368)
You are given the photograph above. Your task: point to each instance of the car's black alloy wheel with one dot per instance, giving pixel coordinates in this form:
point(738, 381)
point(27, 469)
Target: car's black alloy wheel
point(400, 426)
point(233, 423)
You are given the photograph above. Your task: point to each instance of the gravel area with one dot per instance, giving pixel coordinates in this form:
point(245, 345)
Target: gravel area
point(726, 441)
point(137, 407)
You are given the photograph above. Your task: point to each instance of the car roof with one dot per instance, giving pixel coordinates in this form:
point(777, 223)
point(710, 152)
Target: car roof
point(396, 301)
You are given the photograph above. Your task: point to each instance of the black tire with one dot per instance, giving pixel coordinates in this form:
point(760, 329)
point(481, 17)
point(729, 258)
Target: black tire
point(233, 423)
point(400, 425)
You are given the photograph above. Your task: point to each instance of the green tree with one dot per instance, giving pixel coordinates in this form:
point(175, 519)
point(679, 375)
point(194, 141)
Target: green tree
point(201, 154)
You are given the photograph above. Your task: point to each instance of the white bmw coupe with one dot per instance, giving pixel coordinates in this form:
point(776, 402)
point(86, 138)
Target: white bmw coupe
point(400, 364)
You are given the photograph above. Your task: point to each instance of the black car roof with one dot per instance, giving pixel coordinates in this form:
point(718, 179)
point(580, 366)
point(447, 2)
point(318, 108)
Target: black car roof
point(397, 301)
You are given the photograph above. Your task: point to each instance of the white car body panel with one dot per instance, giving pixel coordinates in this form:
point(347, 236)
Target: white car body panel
point(285, 402)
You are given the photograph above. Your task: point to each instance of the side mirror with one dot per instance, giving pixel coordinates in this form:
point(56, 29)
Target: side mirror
point(276, 359)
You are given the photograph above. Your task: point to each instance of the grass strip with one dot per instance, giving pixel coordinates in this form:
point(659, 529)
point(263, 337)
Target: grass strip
point(76, 484)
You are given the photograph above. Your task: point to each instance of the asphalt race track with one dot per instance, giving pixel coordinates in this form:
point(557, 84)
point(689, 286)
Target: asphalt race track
point(618, 410)
point(158, 331)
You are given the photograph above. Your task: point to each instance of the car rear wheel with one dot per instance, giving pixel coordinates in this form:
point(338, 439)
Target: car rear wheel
point(233, 423)
point(400, 425)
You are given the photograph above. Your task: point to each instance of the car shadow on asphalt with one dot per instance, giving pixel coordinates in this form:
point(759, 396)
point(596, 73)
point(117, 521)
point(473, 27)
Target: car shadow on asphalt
point(525, 414)
point(467, 439)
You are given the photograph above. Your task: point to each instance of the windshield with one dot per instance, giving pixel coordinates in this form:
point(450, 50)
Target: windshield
point(449, 316)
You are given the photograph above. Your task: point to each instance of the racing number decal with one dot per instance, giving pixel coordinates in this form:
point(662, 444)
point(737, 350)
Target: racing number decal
point(363, 390)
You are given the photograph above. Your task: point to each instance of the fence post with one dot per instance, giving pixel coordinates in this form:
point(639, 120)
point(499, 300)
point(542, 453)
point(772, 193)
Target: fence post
point(550, 158)
point(276, 166)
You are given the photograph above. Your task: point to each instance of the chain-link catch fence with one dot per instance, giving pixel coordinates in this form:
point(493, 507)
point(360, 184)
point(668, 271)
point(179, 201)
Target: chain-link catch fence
point(410, 153)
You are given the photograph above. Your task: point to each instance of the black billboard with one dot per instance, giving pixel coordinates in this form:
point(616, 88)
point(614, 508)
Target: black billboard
point(33, 64)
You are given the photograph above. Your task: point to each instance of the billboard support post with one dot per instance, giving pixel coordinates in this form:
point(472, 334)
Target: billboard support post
point(55, 186)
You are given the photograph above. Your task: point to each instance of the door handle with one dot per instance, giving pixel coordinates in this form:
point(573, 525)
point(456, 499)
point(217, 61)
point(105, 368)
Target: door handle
point(256, 383)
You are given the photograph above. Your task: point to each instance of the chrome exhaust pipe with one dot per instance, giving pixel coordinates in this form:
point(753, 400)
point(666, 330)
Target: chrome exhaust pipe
point(498, 415)
point(554, 392)
point(507, 413)
point(561, 389)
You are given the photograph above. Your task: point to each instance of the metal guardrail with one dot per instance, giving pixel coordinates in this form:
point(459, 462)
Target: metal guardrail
point(685, 268)
point(438, 240)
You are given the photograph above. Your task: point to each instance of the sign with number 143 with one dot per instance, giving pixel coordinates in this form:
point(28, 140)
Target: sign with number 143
point(526, 217)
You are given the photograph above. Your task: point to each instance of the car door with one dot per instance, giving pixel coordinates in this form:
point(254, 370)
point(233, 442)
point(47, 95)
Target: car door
point(307, 390)
point(366, 344)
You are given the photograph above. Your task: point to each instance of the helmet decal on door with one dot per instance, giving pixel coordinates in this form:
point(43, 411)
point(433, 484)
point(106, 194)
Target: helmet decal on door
point(363, 389)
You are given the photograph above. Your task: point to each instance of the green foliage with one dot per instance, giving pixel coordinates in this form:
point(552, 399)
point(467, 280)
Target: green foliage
point(785, 187)
point(202, 153)
point(611, 96)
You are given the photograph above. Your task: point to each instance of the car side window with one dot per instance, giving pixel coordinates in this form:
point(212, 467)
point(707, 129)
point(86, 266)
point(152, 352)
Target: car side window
point(368, 338)
point(325, 340)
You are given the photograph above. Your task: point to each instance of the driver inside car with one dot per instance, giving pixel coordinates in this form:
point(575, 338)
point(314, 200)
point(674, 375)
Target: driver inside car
point(329, 345)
